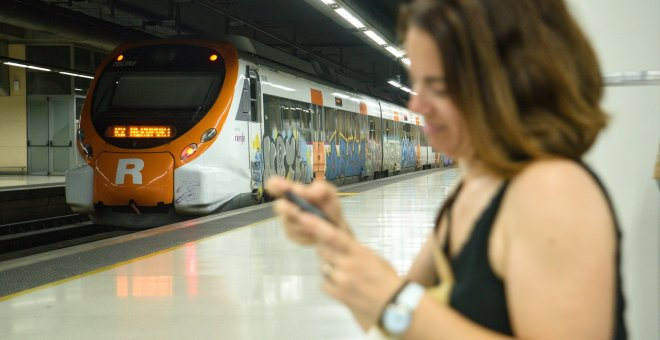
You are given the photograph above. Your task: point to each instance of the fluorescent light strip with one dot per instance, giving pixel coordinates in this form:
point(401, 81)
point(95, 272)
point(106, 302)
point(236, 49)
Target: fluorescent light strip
point(395, 52)
point(15, 64)
point(28, 66)
point(350, 18)
point(406, 61)
point(328, 2)
point(375, 37)
point(76, 75)
point(39, 68)
point(394, 83)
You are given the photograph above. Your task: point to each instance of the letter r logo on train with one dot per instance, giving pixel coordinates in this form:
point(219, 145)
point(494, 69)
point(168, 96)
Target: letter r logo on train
point(129, 166)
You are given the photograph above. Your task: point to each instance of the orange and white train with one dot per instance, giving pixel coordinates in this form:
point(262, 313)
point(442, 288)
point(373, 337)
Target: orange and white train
point(174, 128)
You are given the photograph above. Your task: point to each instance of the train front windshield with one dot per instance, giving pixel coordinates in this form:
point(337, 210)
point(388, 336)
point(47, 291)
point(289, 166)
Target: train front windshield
point(158, 85)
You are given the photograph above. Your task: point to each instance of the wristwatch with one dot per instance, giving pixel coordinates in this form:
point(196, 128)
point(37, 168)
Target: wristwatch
point(397, 316)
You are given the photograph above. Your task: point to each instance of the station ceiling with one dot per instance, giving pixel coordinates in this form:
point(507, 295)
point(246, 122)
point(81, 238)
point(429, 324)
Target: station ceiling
point(308, 29)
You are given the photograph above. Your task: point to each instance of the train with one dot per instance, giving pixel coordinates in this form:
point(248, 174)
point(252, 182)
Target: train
point(178, 128)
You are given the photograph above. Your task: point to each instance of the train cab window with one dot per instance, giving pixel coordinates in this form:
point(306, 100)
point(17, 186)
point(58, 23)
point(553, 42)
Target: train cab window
point(173, 85)
point(163, 91)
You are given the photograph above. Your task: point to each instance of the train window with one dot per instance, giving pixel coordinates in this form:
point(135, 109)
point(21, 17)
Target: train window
point(364, 127)
point(341, 123)
point(422, 138)
point(377, 132)
point(389, 128)
point(272, 115)
point(175, 91)
point(285, 112)
point(330, 125)
point(254, 100)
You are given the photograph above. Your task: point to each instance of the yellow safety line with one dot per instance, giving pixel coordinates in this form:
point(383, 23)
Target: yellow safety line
point(119, 264)
point(346, 193)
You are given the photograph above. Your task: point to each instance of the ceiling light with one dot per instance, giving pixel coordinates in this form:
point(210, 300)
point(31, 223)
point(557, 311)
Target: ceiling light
point(328, 2)
point(76, 75)
point(394, 83)
point(14, 64)
point(395, 52)
point(406, 61)
point(350, 18)
point(375, 37)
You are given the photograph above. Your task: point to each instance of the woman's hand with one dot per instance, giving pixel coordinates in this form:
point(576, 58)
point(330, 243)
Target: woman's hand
point(355, 275)
point(321, 194)
point(352, 273)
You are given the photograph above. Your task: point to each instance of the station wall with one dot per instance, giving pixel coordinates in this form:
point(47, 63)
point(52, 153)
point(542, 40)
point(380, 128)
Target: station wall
point(13, 118)
point(626, 36)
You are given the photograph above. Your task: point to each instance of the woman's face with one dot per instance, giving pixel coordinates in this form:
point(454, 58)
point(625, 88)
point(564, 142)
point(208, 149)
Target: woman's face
point(445, 127)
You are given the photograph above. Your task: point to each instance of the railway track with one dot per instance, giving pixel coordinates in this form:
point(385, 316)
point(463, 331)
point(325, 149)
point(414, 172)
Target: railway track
point(36, 236)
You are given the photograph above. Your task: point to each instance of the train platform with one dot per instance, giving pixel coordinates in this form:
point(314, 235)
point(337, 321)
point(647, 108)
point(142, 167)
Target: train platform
point(28, 198)
point(227, 276)
point(18, 182)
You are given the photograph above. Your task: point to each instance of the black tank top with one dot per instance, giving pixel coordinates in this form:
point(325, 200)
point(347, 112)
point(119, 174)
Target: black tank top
point(478, 293)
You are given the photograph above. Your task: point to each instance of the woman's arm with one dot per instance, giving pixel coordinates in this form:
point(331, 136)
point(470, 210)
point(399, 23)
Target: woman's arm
point(422, 269)
point(560, 265)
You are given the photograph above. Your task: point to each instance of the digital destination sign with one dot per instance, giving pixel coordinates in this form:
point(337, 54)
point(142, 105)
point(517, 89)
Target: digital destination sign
point(140, 131)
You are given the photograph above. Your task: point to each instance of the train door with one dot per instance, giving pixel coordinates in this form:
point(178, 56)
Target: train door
point(318, 140)
point(50, 130)
point(255, 132)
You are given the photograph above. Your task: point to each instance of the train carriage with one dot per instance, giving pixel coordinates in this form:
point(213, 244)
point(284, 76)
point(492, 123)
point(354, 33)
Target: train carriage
point(176, 128)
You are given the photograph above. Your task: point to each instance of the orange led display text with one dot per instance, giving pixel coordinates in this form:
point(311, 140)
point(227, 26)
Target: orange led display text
point(143, 131)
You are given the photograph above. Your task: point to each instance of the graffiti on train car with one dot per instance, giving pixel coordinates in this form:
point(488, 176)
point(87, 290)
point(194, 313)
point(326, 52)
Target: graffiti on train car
point(286, 155)
point(392, 154)
point(408, 153)
point(257, 166)
point(374, 156)
point(348, 160)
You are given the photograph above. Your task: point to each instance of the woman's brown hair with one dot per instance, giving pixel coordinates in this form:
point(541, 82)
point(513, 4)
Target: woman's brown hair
point(522, 73)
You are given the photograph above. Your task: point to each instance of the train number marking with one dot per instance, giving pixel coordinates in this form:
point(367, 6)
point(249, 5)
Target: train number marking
point(123, 169)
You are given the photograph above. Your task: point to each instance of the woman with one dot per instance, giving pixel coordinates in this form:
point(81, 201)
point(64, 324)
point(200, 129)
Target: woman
point(527, 246)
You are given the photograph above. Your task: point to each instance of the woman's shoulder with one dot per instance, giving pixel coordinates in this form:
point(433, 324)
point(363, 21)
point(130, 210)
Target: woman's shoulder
point(554, 177)
point(557, 192)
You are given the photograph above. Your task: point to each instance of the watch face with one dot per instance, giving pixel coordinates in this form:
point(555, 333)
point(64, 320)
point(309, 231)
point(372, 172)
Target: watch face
point(396, 319)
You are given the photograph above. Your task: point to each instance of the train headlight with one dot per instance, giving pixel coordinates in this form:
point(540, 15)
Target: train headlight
point(208, 135)
point(188, 151)
point(89, 152)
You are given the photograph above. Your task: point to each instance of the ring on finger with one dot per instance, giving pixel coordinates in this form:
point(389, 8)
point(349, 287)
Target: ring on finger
point(326, 270)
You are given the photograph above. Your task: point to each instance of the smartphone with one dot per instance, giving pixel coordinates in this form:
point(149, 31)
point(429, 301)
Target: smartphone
point(305, 205)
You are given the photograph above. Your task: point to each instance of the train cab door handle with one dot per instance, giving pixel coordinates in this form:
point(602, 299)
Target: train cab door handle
point(70, 143)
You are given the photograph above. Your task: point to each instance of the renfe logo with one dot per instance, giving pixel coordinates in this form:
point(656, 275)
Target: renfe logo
point(129, 166)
